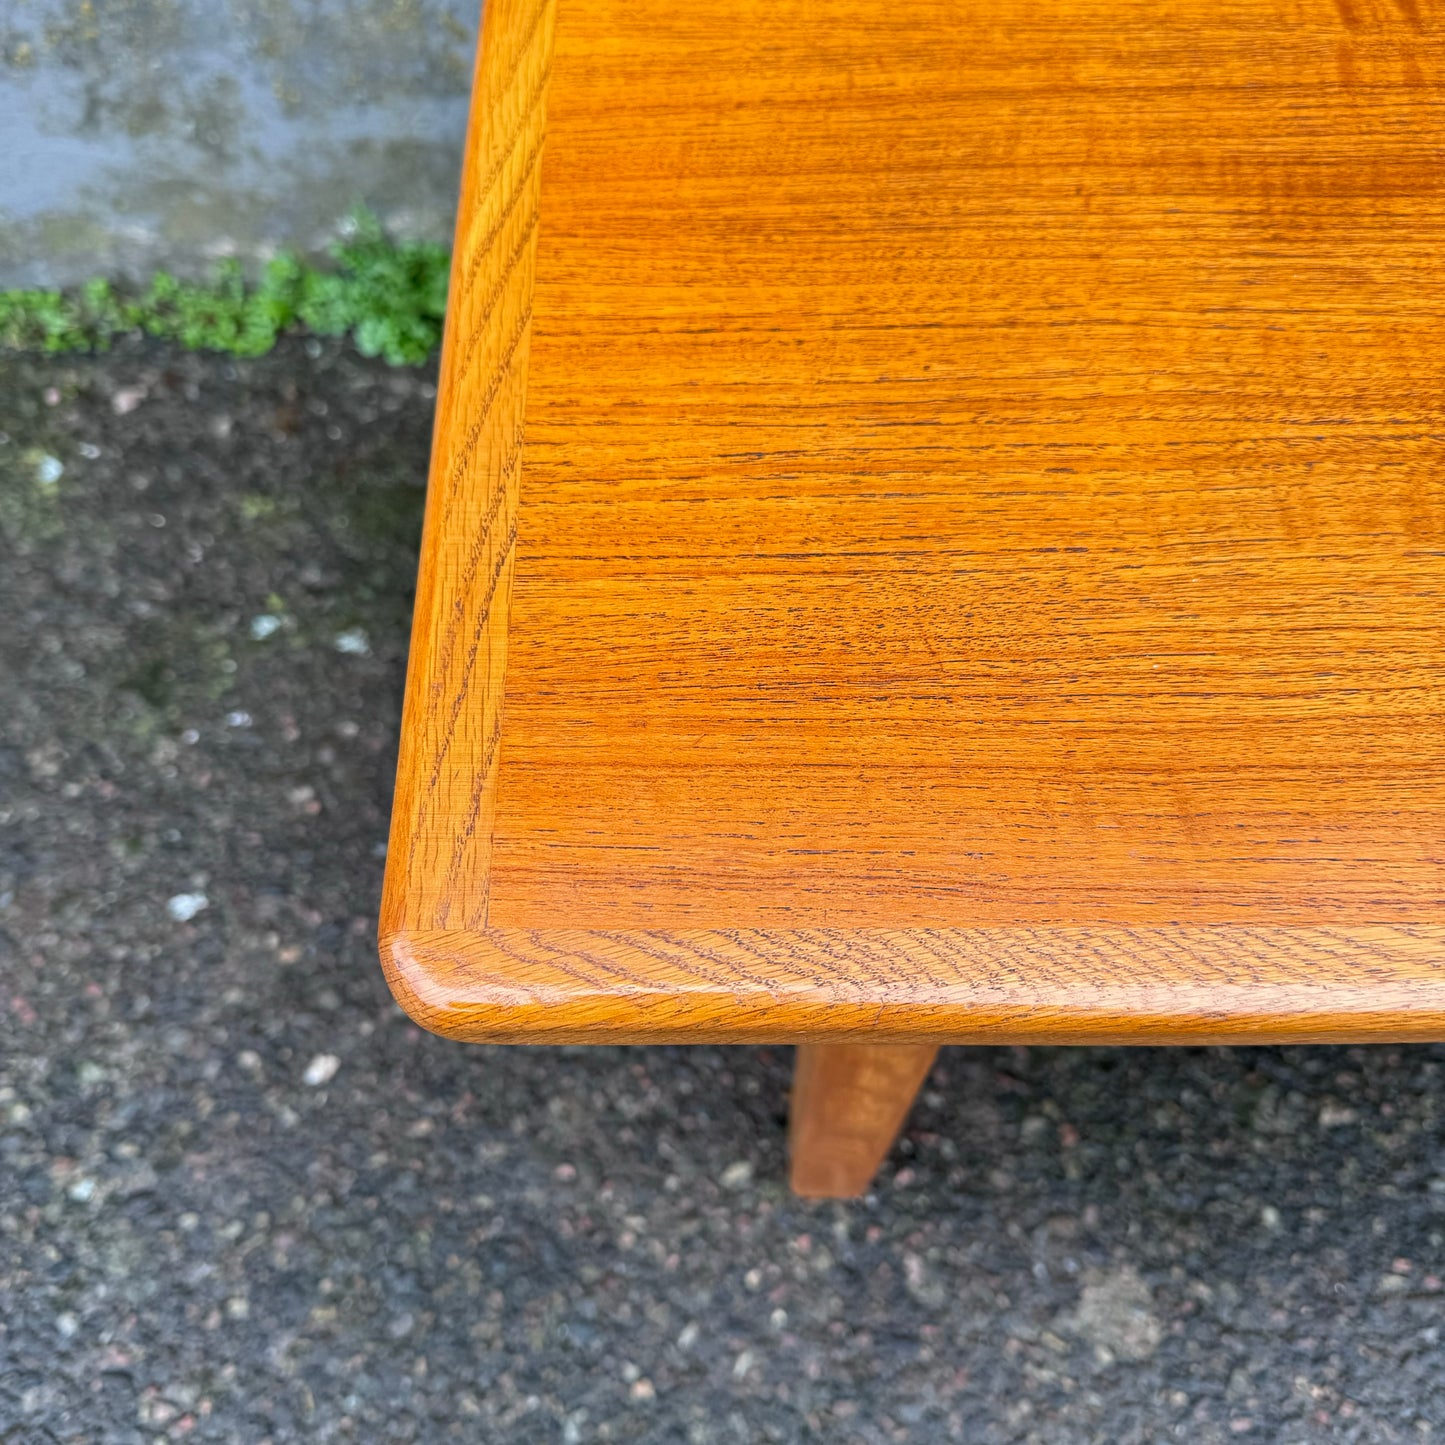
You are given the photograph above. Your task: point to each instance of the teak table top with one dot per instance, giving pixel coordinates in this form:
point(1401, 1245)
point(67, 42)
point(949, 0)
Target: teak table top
point(976, 566)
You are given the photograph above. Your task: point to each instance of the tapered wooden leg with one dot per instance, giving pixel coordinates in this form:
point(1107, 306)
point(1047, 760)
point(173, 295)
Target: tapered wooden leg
point(849, 1101)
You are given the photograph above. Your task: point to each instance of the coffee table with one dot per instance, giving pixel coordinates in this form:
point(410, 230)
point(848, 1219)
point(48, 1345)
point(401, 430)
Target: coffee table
point(936, 535)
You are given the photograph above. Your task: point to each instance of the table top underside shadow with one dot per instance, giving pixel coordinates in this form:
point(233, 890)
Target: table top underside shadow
point(936, 529)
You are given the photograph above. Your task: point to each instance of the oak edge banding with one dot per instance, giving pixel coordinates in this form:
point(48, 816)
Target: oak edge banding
point(456, 664)
point(1206, 985)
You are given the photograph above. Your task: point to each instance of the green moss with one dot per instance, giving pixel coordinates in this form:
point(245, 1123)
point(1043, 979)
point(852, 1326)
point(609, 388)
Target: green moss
point(389, 297)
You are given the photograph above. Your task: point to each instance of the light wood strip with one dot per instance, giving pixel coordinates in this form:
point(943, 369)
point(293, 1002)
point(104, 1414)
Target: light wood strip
point(1034, 985)
point(441, 832)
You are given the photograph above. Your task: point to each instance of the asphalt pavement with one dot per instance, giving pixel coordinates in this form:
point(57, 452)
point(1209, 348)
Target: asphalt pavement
point(243, 1199)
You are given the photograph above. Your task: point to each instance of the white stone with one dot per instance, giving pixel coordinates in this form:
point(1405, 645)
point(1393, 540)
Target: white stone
point(737, 1175)
point(127, 399)
point(184, 906)
point(354, 641)
point(321, 1070)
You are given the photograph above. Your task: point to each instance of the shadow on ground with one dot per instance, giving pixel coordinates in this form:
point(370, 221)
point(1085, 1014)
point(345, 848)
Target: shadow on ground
point(243, 1199)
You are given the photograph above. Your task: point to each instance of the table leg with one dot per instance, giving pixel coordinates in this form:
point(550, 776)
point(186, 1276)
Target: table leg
point(849, 1101)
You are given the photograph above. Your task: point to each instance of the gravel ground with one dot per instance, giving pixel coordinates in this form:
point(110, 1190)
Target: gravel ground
point(243, 1199)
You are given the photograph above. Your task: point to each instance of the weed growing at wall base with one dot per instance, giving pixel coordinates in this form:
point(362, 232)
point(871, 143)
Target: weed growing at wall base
point(390, 297)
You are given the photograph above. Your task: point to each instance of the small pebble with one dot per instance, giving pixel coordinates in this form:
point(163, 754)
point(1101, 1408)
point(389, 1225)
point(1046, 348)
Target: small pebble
point(264, 626)
point(321, 1070)
point(49, 470)
point(354, 641)
point(238, 719)
point(737, 1175)
point(126, 399)
point(184, 906)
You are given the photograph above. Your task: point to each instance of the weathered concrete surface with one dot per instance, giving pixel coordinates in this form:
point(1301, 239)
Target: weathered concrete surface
point(242, 1199)
point(141, 132)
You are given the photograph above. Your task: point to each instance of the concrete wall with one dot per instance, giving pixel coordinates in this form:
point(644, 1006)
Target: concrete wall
point(135, 133)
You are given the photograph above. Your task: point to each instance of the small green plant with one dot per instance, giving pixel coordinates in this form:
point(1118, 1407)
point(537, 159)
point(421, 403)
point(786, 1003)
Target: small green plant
point(389, 296)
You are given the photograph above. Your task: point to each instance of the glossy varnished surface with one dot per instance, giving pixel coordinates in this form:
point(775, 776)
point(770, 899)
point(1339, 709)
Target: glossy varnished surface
point(980, 544)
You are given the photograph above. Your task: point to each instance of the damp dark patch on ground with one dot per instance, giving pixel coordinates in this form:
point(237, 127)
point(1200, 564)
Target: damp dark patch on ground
point(243, 1199)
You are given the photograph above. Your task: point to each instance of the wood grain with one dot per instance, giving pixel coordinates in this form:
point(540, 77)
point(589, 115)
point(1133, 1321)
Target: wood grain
point(1221, 984)
point(848, 1103)
point(981, 548)
point(441, 834)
